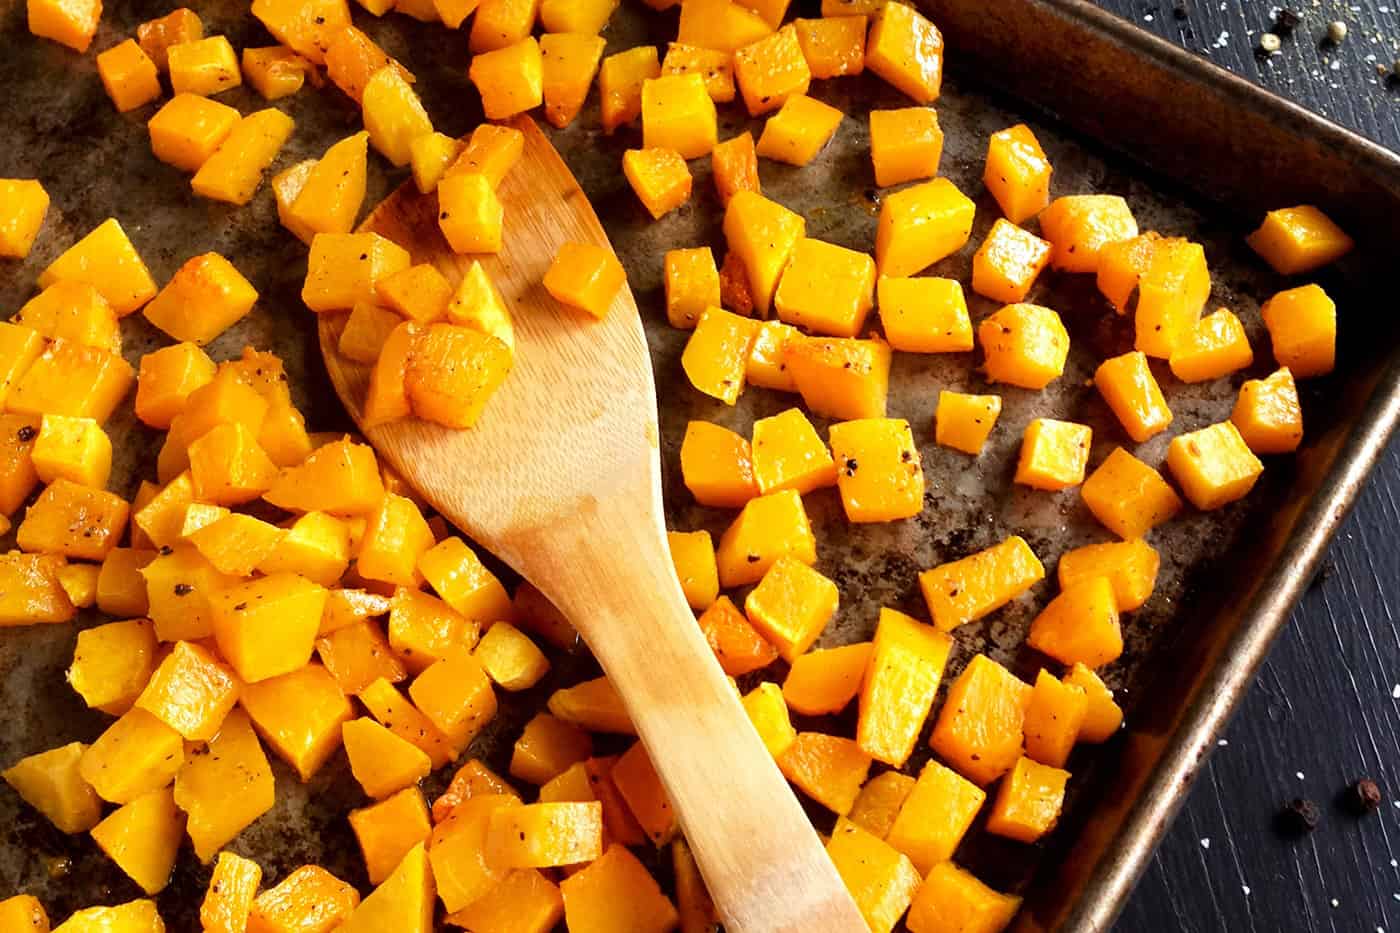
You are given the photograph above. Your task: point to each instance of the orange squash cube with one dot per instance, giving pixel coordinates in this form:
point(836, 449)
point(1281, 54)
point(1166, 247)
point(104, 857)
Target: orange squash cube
point(906, 50)
point(965, 590)
point(106, 260)
point(316, 546)
point(1215, 347)
point(1131, 566)
point(352, 58)
point(366, 332)
point(881, 879)
point(232, 888)
point(1268, 415)
point(1302, 325)
point(568, 63)
point(429, 158)
point(189, 129)
point(1081, 225)
point(833, 46)
point(716, 356)
point(274, 72)
point(593, 705)
point(660, 178)
point(233, 760)
point(770, 528)
point(767, 363)
point(137, 754)
point(576, 16)
point(237, 544)
point(905, 144)
point(921, 225)
point(500, 23)
point(1102, 716)
point(722, 25)
point(491, 151)
point(456, 696)
point(389, 829)
point(1026, 345)
point(826, 288)
point(424, 629)
point(395, 538)
point(129, 76)
point(678, 114)
point(25, 204)
point(310, 892)
point(799, 131)
point(1017, 173)
point(286, 187)
point(70, 24)
point(299, 715)
point(452, 373)
point(64, 311)
point(457, 851)
point(979, 728)
point(457, 575)
point(523, 900)
point(75, 449)
point(340, 477)
point(510, 658)
point(51, 783)
point(235, 170)
point(380, 761)
point(157, 35)
point(734, 165)
point(788, 454)
point(1053, 718)
point(824, 682)
point(386, 398)
point(469, 213)
point(478, 304)
point(112, 663)
point(166, 379)
point(692, 285)
point(1214, 466)
point(180, 588)
point(963, 422)
point(737, 644)
point(827, 768)
point(615, 892)
point(143, 837)
point(1053, 454)
point(1029, 801)
point(791, 605)
point(924, 315)
point(771, 70)
point(72, 520)
point(878, 469)
point(693, 554)
point(764, 235)
point(906, 665)
point(510, 79)
point(620, 80)
point(1171, 294)
point(72, 380)
point(715, 67)
point(951, 899)
point(1122, 264)
point(267, 627)
point(1129, 497)
point(1080, 625)
point(20, 347)
point(306, 27)
point(935, 816)
point(546, 835)
point(357, 655)
point(203, 66)
point(585, 276)
point(769, 714)
point(879, 801)
point(1007, 263)
point(394, 116)
point(395, 713)
point(546, 748)
point(330, 197)
point(1299, 239)
point(1131, 391)
point(191, 692)
point(227, 467)
point(717, 466)
point(345, 269)
point(841, 378)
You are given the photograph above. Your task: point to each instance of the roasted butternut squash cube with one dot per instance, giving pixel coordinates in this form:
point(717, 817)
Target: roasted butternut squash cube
point(826, 288)
point(1171, 294)
point(924, 315)
point(405, 900)
point(693, 553)
point(829, 769)
point(286, 186)
point(1080, 625)
point(235, 765)
point(456, 696)
point(191, 692)
point(352, 58)
point(616, 892)
point(70, 24)
point(879, 801)
point(692, 285)
point(1129, 497)
point(345, 269)
point(232, 887)
point(274, 72)
point(386, 399)
point(715, 67)
point(51, 783)
point(546, 835)
point(935, 816)
point(678, 114)
point(546, 748)
point(769, 714)
point(473, 779)
point(500, 23)
point(734, 165)
point(491, 151)
point(309, 892)
point(106, 260)
point(569, 61)
point(112, 663)
point(771, 70)
point(1053, 719)
point(128, 75)
point(1128, 386)
point(299, 715)
point(316, 546)
point(457, 851)
point(33, 591)
point(593, 705)
point(389, 829)
point(340, 477)
point(1026, 345)
point(769, 528)
point(737, 644)
point(980, 727)
point(510, 658)
point(1299, 239)
point(717, 466)
point(23, 913)
point(1028, 803)
point(1122, 265)
point(834, 45)
point(620, 81)
point(951, 899)
point(963, 422)
point(1081, 225)
point(906, 50)
point(25, 204)
point(133, 915)
point(1053, 454)
point(920, 225)
point(79, 581)
point(839, 377)
point(800, 130)
point(166, 379)
point(965, 590)
point(143, 837)
point(716, 356)
point(788, 454)
point(393, 114)
point(764, 234)
point(235, 170)
point(367, 330)
point(73, 380)
point(330, 197)
point(73, 520)
point(307, 26)
point(659, 177)
point(188, 129)
point(383, 763)
point(346, 607)
point(881, 879)
point(1017, 173)
point(524, 899)
point(905, 144)
point(137, 754)
point(204, 66)
point(585, 276)
point(577, 16)
point(430, 156)
point(722, 25)
point(878, 469)
point(469, 213)
point(1102, 715)
point(510, 80)
point(1302, 325)
point(64, 311)
point(1215, 347)
point(1268, 414)
point(74, 449)
point(395, 538)
point(1131, 566)
point(393, 711)
point(1007, 263)
point(791, 605)
point(157, 35)
point(267, 627)
point(424, 629)
point(227, 467)
point(824, 682)
point(1214, 466)
point(456, 574)
point(767, 363)
point(906, 666)
point(180, 588)
point(478, 304)
point(357, 655)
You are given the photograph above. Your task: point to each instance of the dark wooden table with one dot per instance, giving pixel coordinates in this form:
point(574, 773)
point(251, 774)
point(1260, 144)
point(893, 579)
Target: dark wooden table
point(1326, 707)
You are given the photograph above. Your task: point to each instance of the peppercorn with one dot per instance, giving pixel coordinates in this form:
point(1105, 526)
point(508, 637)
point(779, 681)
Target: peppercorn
point(1285, 21)
point(1298, 816)
point(1362, 797)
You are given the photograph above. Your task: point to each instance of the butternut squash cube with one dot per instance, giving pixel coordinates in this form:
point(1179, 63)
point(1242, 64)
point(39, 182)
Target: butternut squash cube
point(906, 50)
point(188, 129)
point(523, 900)
point(393, 114)
point(404, 901)
point(716, 356)
point(274, 72)
point(229, 898)
point(769, 528)
point(924, 315)
point(340, 477)
point(693, 554)
point(585, 276)
point(963, 422)
point(180, 589)
point(841, 378)
point(800, 130)
point(1029, 801)
point(905, 144)
point(692, 285)
point(935, 816)
point(430, 156)
point(74, 449)
point(788, 454)
point(307, 26)
point(309, 893)
point(70, 24)
point(1026, 345)
point(827, 768)
point(386, 704)
point(1080, 625)
point(479, 305)
point(1302, 325)
point(346, 607)
point(769, 714)
point(112, 663)
point(764, 234)
point(353, 58)
point(1214, 466)
point(1081, 225)
point(235, 765)
point(456, 696)
point(881, 879)
point(395, 538)
point(191, 692)
point(31, 591)
point(424, 629)
point(715, 67)
point(734, 165)
point(1129, 497)
point(722, 25)
point(717, 466)
point(316, 546)
point(166, 379)
point(546, 748)
point(1007, 263)
point(128, 75)
point(678, 114)
point(878, 469)
point(620, 81)
point(1053, 454)
point(1102, 716)
point(299, 715)
point(737, 644)
point(1017, 173)
point(1299, 239)
point(286, 186)
point(204, 66)
point(267, 627)
point(72, 520)
point(510, 658)
point(139, 916)
point(770, 70)
point(577, 16)
point(473, 779)
point(456, 574)
point(491, 151)
point(659, 177)
point(1171, 294)
point(823, 682)
point(1122, 265)
point(826, 288)
point(500, 23)
point(470, 215)
point(896, 694)
point(616, 892)
point(951, 900)
point(389, 829)
point(593, 705)
point(24, 914)
point(767, 363)
point(545, 835)
point(157, 35)
point(73, 380)
point(331, 196)
point(383, 763)
point(921, 225)
point(20, 347)
point(510, 79)
point(1131, 391)
point(965, 590)
point(137, 754)
point(1131, 566)
point(879, 801)
point(1053, 719)
point(79, 581)
point(64, 311)
point(25, 204)
point(367, 330)
point(569, 62)
point(980, 727)
point(1216, 347)
point(51, 783)
point(1268, 414)
point(106, 260)
point(791, 604)
point(357, 655)
point(143, 838)
point(227, 467)
point(235, 170)
point(833, 46)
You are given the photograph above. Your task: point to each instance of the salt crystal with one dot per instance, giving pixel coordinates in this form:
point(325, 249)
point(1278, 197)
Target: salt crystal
point(1300, 775)
point(1245, 889)
point(1205, 843)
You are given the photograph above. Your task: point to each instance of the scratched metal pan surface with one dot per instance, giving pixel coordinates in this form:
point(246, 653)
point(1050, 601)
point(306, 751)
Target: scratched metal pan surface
point(1196, 152)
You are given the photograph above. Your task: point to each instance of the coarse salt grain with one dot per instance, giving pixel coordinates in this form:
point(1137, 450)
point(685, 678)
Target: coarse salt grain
point(1205, 843)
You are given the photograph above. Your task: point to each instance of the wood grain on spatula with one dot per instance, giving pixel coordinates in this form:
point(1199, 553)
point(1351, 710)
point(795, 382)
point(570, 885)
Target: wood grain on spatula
point(561, 479)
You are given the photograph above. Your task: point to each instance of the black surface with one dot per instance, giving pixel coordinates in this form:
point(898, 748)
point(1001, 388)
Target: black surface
point(1321, 713)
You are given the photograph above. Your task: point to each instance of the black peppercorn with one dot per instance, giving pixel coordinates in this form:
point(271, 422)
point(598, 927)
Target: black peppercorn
point(1298, 816)
point(1362, 797)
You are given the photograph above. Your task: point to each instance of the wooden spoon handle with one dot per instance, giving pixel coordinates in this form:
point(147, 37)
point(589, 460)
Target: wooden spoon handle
point(762, 860)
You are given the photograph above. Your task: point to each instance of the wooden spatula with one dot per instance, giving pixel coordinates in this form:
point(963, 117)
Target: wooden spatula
point(561, 479)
